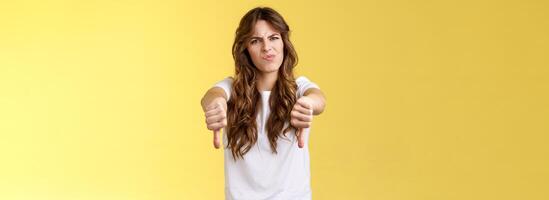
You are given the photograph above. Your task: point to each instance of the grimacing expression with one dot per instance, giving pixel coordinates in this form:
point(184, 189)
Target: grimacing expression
point(266, 47)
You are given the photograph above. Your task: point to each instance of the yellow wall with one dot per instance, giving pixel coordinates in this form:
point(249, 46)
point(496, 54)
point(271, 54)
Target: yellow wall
point(426, 99)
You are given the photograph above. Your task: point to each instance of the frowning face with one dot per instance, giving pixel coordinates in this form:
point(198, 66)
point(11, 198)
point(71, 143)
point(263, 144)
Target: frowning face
point(266, 47)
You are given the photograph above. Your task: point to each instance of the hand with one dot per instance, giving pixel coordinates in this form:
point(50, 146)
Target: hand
point(302, 117)
point(216, 118)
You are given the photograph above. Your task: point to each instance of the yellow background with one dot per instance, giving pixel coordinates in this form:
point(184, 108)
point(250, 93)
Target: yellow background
point(426, 99)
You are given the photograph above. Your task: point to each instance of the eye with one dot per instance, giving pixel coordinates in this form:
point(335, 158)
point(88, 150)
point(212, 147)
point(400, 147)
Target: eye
point(274, 38)
point(253, 41)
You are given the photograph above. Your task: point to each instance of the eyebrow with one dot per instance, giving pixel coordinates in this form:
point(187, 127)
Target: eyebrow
point(255, 37)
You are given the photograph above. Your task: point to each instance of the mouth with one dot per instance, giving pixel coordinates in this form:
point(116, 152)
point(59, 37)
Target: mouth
point(269, 57)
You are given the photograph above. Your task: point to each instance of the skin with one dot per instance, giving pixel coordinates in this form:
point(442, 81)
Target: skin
point(266, 49)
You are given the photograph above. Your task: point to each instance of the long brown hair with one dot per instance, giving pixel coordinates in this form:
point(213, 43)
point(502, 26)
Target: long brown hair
point(245, 97)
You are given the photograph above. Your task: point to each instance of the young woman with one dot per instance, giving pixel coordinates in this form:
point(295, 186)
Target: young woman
point(265, 112)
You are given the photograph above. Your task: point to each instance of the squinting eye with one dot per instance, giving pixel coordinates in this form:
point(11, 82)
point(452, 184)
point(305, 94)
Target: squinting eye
point(253, 42)
point(274, 38)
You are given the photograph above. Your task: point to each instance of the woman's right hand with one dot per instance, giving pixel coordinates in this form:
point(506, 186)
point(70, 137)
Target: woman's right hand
point(216, 118)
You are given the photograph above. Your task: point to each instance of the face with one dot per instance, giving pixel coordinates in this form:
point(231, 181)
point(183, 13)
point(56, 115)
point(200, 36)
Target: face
point(266, 47)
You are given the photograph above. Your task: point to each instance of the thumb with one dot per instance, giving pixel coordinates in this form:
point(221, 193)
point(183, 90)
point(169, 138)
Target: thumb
point(300, 141)
point(216, 139)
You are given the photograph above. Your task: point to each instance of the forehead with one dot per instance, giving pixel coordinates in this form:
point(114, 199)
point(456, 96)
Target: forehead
point(263, 28)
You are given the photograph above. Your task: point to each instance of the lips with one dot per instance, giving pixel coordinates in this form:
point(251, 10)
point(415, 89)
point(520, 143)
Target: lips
point(268, 57)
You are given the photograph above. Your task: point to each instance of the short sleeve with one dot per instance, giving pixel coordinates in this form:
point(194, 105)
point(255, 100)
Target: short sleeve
point(226, 84)
point(303, 84)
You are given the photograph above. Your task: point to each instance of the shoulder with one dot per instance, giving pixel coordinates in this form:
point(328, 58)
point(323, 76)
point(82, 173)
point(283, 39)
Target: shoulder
point(226, 84)
point(227, 79)
point(303, 84)
point(301, 80)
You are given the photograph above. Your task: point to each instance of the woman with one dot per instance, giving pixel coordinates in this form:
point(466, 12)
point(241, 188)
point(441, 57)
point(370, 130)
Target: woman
point(265, 112)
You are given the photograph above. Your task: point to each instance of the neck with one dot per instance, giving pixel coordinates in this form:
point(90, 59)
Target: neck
point(267, 81)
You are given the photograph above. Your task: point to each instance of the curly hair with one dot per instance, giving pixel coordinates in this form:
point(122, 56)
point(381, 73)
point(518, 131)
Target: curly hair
point(244, 101)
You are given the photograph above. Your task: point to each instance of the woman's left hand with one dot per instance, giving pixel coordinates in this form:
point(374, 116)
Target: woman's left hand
point(302, 117)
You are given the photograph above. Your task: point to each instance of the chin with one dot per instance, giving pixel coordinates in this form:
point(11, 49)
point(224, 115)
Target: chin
point(269, 68)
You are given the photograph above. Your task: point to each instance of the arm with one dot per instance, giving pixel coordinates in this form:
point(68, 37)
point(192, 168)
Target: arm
point(214, 94)
point(316, 99)
point(311, 103)
point(214, 104)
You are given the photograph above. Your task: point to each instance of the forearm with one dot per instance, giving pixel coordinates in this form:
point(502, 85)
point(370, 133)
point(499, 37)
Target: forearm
point(213, 94)
point(318, 101)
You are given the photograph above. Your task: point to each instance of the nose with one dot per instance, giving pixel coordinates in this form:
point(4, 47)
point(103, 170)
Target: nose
point(267, 46)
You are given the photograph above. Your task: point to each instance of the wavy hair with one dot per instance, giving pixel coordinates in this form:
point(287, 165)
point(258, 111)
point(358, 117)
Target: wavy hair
point(245, 98)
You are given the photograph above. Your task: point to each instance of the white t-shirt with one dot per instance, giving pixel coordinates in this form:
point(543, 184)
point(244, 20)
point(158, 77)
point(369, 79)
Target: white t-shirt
point(263, 175)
